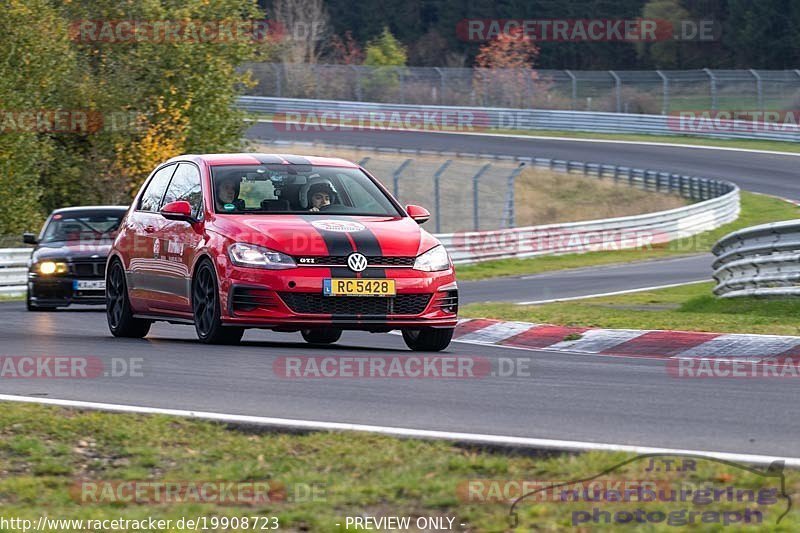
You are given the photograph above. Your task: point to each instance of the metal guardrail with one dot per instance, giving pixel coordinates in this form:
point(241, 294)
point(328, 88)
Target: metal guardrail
point(720, 207)
point(759, 261)
point(329, 115)
point(14, 270)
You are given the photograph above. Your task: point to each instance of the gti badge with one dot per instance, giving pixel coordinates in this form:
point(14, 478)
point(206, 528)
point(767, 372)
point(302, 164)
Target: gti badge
point(357, 262)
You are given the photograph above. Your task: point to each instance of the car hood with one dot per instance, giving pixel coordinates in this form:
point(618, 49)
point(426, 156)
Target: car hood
point(72, 250)
point(316, 235)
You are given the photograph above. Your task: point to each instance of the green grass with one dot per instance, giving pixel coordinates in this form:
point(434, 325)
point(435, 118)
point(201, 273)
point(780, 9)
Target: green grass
point(45, 451)
point(756, 209)
point(688, 308)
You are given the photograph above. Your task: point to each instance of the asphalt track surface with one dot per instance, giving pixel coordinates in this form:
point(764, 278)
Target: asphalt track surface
point(759, 172)
point(569, 396)
point(572, 397)
point(587, 281)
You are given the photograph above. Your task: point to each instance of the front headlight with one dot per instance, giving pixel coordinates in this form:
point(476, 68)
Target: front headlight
point(433, 260)
point(47, 268)
point(250, 255)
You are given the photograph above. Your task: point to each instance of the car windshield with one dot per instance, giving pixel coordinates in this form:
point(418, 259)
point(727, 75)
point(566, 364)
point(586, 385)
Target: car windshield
point(275, 189)
point(82, 226)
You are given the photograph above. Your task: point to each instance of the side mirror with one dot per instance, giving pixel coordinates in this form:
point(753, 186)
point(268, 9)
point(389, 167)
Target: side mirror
point(179, 210)
point(29, 238)
point(420, 214)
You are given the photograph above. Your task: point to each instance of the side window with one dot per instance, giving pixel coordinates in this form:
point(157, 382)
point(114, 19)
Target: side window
point(151, 200)
point(185, 185)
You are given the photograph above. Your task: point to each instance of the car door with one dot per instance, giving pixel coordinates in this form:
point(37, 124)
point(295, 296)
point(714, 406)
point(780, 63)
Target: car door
point(146, 225)
point(179, 240)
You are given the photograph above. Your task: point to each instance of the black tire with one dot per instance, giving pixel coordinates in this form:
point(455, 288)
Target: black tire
point(428, 339)
point(208, 311)
point(321, 336)
point(119, 314)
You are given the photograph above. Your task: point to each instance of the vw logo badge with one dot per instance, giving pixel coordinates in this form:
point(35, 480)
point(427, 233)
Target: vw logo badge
point(357, 262)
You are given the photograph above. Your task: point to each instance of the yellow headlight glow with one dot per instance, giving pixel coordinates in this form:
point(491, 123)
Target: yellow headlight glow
point(49, 267)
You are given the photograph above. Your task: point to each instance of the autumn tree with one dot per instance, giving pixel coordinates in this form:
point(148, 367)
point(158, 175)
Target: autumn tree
point(504, 73)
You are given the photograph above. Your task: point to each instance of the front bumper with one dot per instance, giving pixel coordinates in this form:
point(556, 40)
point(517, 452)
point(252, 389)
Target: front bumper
point(60, 291)
point(292, 299)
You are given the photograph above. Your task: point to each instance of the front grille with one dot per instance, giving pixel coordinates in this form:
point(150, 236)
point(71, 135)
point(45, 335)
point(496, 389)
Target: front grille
point(317, 304)
point(341, 260)
point(248, 299)
point(94, 269)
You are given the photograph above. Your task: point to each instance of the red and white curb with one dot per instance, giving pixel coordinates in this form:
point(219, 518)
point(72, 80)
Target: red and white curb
point(628, 342)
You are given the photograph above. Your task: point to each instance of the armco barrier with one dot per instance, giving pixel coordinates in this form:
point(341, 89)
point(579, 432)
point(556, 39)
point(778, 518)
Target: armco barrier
point(13, 270)
point(483, 118)
point(759, 261)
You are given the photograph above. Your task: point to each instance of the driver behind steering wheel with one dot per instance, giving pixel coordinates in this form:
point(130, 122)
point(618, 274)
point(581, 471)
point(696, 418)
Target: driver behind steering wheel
point(320, 195)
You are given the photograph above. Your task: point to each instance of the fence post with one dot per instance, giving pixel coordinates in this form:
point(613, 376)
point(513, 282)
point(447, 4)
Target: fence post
point(713, 87)
point(436, 177)
point(574, 88)
point(475, 179)
point(759, 89)
point(510, 195)
point(402, 82)
point(441, 84)
point(396, 176)
point(665, 93)
point(315, 68)
point(277, 68)
point(358, 82)
point(618, 83)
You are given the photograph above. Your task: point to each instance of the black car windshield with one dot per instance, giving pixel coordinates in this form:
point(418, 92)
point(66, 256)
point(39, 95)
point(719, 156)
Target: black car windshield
point(83, 226)
point(281, 189)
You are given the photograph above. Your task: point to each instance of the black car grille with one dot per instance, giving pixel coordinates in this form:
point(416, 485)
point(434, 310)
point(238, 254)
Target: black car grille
point(94, 269)
point(447, 302)
point(317, 304)
point(341, 260)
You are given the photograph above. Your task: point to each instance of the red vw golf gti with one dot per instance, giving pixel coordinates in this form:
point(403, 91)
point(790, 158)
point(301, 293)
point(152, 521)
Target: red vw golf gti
point(316, 245)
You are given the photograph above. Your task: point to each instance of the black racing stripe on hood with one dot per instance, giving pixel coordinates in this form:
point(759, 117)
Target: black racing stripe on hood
point(337, 243)
point(366, 243)
point(266, 159)
point(296, 159)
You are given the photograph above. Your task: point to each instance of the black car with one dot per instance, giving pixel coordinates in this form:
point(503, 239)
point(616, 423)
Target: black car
point(68, 264)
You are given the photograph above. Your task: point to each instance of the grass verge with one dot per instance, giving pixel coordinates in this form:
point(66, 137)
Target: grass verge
point(756, 209)
point(45, 451)
point(687, 308)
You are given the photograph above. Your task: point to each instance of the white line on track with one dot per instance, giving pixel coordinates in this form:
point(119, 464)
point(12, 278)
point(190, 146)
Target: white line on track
point(474, 438)
point(571, 139)
point(626, 291)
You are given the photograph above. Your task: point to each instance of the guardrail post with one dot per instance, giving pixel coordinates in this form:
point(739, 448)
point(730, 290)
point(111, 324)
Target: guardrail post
point(574, 88)
point(665, 93)
point(436, 177)
point(759, 89)
point(618, 83)
point(475, 196)
point(510, 195)
point(396, 176)
point(713, 88)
